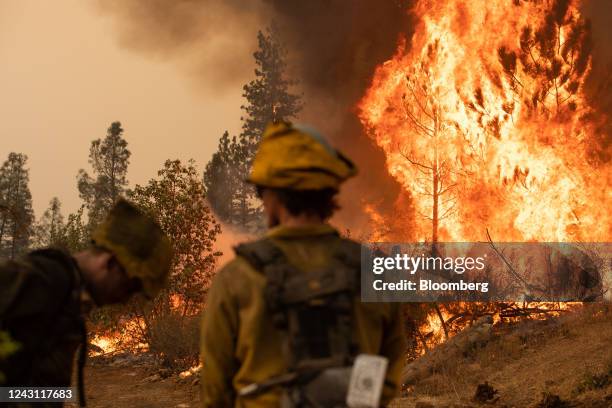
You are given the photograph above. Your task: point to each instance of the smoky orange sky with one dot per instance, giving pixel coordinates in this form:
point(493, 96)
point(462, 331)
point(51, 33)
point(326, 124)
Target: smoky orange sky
point(65, 76)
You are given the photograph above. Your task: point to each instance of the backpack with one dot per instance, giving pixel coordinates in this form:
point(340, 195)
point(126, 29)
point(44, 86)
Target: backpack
point(315, 309)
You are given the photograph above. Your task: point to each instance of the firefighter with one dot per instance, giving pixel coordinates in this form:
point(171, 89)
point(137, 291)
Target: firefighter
point(284, 317)
point(45, 295)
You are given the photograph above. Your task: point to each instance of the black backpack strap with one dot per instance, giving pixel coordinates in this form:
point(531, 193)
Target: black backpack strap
point(260, 253)
point(263, 252)
point(349, 253)
point(268, 259)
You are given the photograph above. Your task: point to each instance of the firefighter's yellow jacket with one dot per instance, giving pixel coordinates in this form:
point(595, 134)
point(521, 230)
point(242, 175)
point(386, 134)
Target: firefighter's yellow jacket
point(241, 346)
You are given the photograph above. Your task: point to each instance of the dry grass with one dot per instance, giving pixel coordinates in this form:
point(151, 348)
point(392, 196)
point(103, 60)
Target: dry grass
point(175, 339)
point(569, 357)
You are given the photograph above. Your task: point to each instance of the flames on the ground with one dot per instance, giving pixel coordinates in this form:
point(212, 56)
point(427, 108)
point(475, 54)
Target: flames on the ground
point(123, 338)
point(484, 121)
point(128, 333)
point(449, 319)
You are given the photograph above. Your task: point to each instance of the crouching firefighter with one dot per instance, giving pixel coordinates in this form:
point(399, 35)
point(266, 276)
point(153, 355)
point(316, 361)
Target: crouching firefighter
point(45, 296)
point(283, 324)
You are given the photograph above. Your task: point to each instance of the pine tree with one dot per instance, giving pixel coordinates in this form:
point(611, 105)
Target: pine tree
point(49, 229)
point(109, 159)
point(552, 61)
point(434, 168)
point(16, 214)
point(268, 99)
point(221, 178)
point(75, 234)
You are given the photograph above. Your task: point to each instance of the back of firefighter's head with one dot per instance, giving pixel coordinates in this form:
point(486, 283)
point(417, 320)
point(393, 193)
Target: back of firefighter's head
point(298, 174)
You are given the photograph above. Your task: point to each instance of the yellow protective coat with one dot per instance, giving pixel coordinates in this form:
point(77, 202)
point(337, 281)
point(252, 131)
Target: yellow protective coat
point(240, 344)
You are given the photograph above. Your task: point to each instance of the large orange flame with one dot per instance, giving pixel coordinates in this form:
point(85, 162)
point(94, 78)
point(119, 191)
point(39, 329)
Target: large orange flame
point(484, 121)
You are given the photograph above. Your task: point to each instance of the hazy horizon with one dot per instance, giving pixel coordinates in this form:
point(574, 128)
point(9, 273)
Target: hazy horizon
point(65, 78)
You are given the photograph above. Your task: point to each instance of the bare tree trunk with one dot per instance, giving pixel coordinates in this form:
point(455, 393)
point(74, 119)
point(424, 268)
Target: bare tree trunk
point(442, 322)
point(15, 222)
point(4, 217)
point(435, 211)
point(436, 183)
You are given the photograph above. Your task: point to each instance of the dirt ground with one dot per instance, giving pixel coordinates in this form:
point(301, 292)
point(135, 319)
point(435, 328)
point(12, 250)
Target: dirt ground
point(127, 387)
point(569, 358)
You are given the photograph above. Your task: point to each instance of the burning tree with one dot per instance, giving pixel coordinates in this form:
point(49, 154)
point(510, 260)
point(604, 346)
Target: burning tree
point(497, 90)
point(553, 58)
point(431, 143)
point(517, 112)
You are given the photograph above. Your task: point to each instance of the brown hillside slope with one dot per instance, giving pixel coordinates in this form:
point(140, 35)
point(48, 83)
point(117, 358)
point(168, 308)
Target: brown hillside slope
point(558, 363)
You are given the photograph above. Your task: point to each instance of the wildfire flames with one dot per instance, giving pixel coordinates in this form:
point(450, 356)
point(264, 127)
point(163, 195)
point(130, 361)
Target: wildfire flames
point(484, 121)
point(130, 332)
point(119, 340)
point(434, 332)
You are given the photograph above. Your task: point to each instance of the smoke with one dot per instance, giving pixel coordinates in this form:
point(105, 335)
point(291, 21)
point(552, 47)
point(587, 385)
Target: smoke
point(334, 47)
point(226, 241)
point(212, 39)
point(600, 14)
point(600, 80)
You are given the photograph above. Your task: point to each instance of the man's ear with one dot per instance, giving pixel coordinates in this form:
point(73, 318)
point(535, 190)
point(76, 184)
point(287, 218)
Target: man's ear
point(106, 260)
point(112, 263)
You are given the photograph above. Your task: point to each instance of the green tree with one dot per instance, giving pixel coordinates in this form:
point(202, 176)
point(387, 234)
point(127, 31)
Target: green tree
point(268, 100)
point(16, 214)
point(74, 234)
point(222, 176)
point(177, 200)
point(268, 96)
point(109, 159)
point(48, 230)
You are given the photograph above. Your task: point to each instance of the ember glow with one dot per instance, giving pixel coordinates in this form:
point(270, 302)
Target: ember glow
point(484, 121)
point(121, 339)
point(433, 331)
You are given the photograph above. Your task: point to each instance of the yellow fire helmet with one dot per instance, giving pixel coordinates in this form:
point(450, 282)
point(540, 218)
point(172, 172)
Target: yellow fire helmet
point(297, 157)
point(139, 244)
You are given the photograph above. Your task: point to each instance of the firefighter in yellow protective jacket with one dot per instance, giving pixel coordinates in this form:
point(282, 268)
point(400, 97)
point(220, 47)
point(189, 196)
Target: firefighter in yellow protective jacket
point(284, 317)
